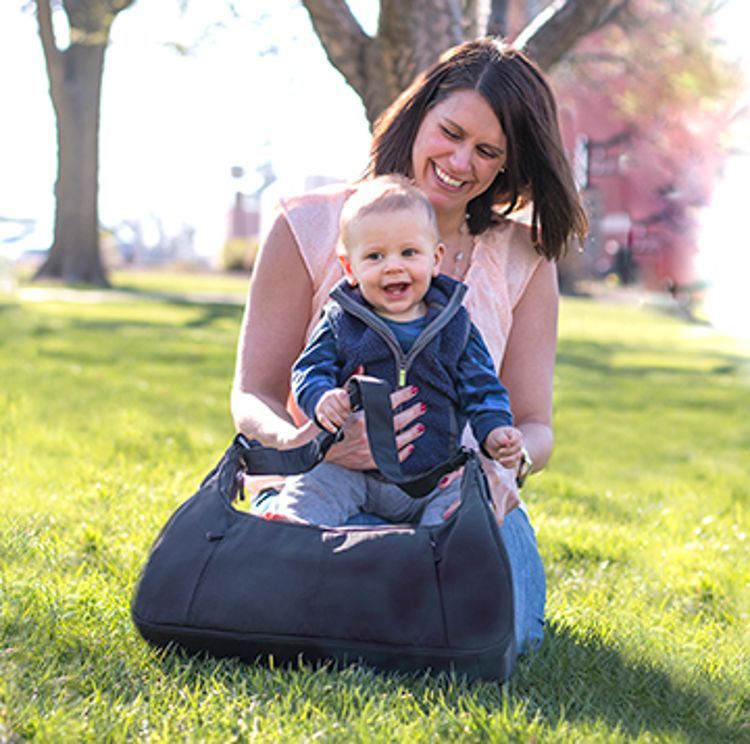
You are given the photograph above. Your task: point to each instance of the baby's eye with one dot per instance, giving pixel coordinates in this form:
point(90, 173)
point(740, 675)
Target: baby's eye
point(373, 256)
point(409, 252)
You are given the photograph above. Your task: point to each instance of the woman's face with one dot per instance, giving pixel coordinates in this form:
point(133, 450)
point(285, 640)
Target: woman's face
point(459, 149)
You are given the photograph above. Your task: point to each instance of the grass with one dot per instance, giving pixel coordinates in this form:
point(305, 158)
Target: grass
point(111, 412)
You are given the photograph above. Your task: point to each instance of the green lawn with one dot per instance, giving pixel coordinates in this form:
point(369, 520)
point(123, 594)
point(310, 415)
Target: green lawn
point(111, 412)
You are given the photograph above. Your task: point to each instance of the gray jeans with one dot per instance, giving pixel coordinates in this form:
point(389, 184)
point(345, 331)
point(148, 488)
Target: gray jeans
point(330, 495)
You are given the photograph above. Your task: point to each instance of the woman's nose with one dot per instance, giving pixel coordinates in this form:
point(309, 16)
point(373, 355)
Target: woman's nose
point(460, 158)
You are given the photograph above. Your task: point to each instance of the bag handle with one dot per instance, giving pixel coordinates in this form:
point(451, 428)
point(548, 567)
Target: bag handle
point(259, 460)
point(371, 395)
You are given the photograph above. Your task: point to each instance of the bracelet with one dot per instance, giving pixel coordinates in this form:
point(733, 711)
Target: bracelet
point(524, 467)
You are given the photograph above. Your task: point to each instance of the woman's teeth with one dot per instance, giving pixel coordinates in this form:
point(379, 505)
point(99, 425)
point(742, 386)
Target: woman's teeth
point(446, 179)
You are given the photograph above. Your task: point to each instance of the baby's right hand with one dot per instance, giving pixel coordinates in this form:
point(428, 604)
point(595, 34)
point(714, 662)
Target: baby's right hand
point(333, 409)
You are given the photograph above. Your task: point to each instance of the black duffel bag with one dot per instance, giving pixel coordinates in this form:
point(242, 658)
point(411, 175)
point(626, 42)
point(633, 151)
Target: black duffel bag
point(397, 597)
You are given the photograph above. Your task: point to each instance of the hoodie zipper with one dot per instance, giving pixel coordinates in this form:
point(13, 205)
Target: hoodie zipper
point(403, 361)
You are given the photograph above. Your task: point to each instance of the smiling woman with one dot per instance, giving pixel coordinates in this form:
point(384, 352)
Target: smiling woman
point(478, 133)
point(483, 129)
point(458, 153)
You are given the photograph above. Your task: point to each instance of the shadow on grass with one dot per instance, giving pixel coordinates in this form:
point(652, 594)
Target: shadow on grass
point(578, 679)
point(601, 358)
point(570, 681)
point(215, 305)
point(152, 336)
point(211, 312)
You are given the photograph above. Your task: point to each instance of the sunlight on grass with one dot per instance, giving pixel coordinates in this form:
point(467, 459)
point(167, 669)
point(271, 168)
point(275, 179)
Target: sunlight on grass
point(111, 413)
point(160, 281)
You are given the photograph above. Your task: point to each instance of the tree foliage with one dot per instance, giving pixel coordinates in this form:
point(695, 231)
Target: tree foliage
point(660, 93)
point(660, 73)
point(660, 59)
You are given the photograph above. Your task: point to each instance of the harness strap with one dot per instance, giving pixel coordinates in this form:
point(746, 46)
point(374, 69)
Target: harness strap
point(372, 396)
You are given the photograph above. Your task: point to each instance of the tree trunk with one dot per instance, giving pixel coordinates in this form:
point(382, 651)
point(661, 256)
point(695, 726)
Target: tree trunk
point(497, 25)
point(413, 33)
point(75, 255)
point(474, 18)
point(75, 83)
point(557, 29)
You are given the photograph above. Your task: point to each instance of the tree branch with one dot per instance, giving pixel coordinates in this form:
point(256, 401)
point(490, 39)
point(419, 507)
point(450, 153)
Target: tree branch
point(558, 28)
point(403, 28)
point(498, 21)
point(52, 55)
point(91, 20)
point(474, 24)
point(118, 5)
point(344, 41)
point(614, 13)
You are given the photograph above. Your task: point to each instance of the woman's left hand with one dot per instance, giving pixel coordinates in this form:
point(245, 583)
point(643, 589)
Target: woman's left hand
point(353, 451)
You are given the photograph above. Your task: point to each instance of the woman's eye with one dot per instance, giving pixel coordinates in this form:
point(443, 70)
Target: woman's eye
point(450, 133)
point(487, 153)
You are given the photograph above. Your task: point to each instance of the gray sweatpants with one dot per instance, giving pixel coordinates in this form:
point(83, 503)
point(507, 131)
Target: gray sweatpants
point(330, 495)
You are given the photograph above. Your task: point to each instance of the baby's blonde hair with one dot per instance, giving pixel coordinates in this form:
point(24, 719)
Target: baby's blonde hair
point(382, 194)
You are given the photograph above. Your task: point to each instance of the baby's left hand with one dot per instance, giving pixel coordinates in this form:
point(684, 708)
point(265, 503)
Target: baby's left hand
point(504, 445)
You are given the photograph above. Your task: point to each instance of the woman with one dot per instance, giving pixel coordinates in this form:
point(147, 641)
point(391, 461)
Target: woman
point(478, 133)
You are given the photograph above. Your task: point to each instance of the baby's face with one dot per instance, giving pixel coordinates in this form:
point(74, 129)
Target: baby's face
point(393, 256)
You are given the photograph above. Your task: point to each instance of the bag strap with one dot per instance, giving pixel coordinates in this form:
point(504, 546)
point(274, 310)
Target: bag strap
point(372, 396)
point(259, 460)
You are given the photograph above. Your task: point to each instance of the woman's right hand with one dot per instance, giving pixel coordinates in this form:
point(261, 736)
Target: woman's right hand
point(353, 451)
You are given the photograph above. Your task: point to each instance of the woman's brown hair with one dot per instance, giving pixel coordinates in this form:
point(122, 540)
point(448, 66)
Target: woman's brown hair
point(536, 170)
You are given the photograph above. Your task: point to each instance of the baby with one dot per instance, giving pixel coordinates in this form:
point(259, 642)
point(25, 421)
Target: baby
point(395, 317)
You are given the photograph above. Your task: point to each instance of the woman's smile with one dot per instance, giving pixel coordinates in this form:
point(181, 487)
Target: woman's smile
point(445, 178)
point(459, 149)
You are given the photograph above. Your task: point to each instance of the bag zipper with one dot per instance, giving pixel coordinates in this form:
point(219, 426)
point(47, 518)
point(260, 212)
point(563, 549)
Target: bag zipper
point(436, 563)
